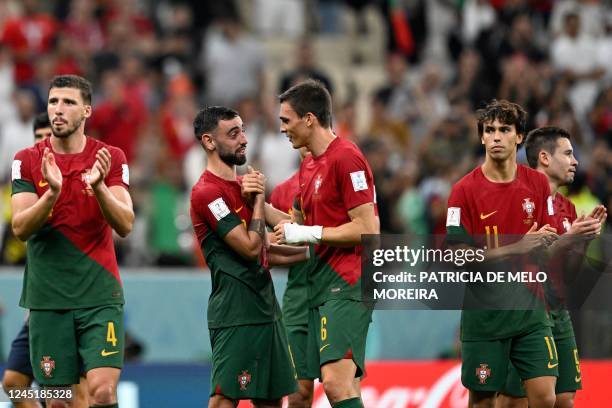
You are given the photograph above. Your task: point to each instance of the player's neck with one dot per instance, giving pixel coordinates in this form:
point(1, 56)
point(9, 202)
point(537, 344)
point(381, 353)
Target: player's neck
point(320, 141)
point(499, 171)
point(75, 143)
point(221, 169)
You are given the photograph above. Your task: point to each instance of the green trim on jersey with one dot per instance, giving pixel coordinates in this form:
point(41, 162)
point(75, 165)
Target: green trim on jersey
point(70, 281)
point(242, 290)
point(22, 186)
point(324, 284)
point(458, 235)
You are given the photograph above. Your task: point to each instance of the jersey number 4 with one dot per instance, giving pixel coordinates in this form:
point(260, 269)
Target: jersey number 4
point(110, 334)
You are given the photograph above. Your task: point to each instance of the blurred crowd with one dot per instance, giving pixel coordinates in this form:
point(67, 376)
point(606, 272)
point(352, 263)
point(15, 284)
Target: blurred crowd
point(406, 77)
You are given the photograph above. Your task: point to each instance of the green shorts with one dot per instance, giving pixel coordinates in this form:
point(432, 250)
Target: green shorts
point(252, 362)
point(61, 339)
point(297, 335)
point(484, 364)
point(336, 330)
point(569, 379)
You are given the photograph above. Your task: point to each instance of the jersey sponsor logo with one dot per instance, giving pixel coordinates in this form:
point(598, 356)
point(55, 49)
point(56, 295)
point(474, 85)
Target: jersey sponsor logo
point(323, 348)
point(244, 379)
point(453, 217)
point(485, 216)
point(125, 174)
point(16, 170)
point(359, 180)
point(47, 366)
point(219, 208)
point(42, 183)
point(483, 372)
point(105, 353)
point(551, 365)
point(578, 378)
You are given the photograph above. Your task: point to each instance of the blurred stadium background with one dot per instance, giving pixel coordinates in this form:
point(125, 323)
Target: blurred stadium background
point(406, 77)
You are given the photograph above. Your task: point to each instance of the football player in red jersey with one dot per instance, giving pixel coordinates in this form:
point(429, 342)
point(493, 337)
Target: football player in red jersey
point(549, 150)
point(337, 203)
point(69, 193)
point(496, 200)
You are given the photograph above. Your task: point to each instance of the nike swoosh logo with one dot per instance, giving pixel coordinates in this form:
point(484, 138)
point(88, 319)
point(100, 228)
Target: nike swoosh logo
point(105, 353)
point(485, 216)
point(578, 379)
point(322, 348)
point(552, 365)
point(238, 209)
point(42, 183)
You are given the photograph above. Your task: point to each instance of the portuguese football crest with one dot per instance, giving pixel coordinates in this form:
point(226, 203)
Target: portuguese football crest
point(529, 207)
point(47, 365)
point(483, 372)
point(244, 380)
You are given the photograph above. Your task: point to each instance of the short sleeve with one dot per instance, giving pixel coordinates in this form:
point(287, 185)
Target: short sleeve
point(458, 222)
point(21, 174)
point(119, 174)
point(547, 215)
point(211, 205)
point(355, 180)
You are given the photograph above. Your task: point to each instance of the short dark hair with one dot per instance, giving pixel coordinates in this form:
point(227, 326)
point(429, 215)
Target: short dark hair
point(508, 113)
point(544, 138)
point(310, 96)
point(208, 119)
point(73, 81)
point(41, 121)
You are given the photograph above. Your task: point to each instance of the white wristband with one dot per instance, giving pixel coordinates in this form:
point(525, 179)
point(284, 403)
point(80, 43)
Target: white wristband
point(296, 233)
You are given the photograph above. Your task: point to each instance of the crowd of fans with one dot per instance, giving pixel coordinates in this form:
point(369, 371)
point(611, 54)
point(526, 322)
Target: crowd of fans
point(155, 63)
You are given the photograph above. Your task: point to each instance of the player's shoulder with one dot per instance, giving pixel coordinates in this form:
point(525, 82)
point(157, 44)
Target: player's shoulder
point(31, 152)
point(531, 176)
point(205, 186)
point(469, 181)
point(98, 144)
point(287, 184)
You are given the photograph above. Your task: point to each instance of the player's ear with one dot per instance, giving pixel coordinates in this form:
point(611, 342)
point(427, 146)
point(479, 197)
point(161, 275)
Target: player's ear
point(208, 142)
point(87, 111)
point(544, 158)
point(310, 119)
point(519, 138)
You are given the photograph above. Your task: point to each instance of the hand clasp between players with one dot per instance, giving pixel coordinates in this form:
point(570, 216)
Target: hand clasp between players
point(253, 183)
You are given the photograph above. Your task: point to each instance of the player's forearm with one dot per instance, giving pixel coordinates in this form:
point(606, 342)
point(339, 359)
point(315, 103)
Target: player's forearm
point(256, 229)
point(274, 215)
point(118, 214)
point(288, 259)
point(26, 222)
point(349, 234)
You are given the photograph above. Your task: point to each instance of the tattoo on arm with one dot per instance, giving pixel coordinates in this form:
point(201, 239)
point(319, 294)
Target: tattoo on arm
point(259, 226)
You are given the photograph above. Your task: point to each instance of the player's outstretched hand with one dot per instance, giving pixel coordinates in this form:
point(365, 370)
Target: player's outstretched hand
point(51, 172)
point(101, 167)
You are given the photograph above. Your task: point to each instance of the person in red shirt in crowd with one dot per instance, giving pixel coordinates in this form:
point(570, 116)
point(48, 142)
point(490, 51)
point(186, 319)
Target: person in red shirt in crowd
point(176, 114)
point(120, 118)
point(28, 36)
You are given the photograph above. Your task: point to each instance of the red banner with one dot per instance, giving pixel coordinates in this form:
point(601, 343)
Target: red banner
point(437, 384)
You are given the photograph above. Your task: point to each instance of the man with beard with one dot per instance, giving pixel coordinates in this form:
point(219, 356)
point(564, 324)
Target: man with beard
point(250, 355)
point(69, 193)
point(18, 372)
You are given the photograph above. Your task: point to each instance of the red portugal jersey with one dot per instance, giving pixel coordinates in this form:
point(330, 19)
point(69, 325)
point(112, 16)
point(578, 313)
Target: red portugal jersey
point(331, 184)
point(481, 212)
point(71, 260)
point(242, 290)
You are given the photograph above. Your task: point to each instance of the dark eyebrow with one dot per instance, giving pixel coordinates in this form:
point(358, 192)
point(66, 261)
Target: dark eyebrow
point(234, 128)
